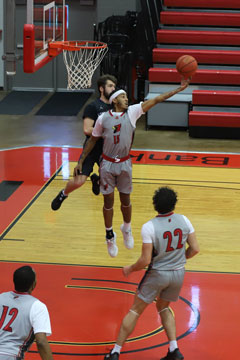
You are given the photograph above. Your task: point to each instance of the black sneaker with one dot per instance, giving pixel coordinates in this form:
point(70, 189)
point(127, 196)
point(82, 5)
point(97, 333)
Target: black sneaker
point(95, 184)
point(57, 202)
point(114, 356)
point(174, 355)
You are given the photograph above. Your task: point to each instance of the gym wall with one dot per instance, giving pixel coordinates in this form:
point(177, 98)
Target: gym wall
point(53, 76)
point(1, 45)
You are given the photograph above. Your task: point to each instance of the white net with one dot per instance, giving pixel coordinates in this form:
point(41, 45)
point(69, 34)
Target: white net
point(82, 61)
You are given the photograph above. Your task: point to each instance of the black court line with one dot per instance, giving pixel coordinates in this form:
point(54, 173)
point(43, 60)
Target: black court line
point(9, 239)
point(186, 333)
point(186, 185)
point(197, 181)
point(111, 267)
point(105, 280)
point(29, 205)
point(145, 180)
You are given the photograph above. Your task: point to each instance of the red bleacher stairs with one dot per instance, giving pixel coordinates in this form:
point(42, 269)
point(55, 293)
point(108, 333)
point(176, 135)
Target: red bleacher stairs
point(209, 30)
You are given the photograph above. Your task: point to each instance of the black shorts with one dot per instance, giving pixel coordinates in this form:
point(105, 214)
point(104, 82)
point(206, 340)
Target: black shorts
point(92, 158)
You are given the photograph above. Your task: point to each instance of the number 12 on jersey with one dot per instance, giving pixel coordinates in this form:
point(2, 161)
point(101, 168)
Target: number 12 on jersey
point(13, 313)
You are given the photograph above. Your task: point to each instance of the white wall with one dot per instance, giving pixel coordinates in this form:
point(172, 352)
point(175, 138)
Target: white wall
point(1, 46)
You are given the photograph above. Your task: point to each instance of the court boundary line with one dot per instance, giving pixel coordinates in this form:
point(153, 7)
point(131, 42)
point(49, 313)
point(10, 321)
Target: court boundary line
point(109, 266)
point(134, 149)
point(10, 226)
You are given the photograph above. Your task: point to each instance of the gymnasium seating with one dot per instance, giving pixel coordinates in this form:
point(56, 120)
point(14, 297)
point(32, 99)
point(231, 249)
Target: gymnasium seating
point(165, 36)
point(209, 31)
point(211, 4)
point(217, 98)
point(215, 114)
point(203, 56)
point(199, 18)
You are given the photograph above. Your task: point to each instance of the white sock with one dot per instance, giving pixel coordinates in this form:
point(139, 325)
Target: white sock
point(116, 349)
point(126, 226)
point(109, 228)
point(172, 345)
point(64, 193)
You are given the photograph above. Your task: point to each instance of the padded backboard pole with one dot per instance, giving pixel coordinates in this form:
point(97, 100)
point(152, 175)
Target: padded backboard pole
point(10, 38)
point(29, 48)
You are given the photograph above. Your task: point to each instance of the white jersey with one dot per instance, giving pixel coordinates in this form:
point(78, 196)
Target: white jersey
point(21, 316)
point(168, 233)
point(117, 130)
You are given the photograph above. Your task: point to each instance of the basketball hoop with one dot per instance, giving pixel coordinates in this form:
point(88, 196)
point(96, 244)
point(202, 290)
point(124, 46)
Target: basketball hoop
point(81, 59)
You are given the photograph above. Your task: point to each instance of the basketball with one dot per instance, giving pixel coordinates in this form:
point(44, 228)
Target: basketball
point(186, 65)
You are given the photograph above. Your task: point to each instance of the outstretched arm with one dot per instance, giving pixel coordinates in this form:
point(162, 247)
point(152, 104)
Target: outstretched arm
point(148, 104)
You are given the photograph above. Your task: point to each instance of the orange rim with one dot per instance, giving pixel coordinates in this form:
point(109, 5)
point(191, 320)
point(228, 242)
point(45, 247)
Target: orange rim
point(77, 45)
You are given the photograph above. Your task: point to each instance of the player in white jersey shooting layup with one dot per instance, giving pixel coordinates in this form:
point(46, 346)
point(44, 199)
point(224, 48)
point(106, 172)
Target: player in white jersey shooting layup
point(23, 319)
point(106, 84)
point(117, 129)
point(164, 240)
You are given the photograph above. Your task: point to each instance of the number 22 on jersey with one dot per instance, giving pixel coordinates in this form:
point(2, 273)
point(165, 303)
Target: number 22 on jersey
point(169, 236)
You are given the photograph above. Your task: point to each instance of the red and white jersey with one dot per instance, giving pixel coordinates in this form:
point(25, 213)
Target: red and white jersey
point(21, 316)
point(168, 233)
point(117, 130)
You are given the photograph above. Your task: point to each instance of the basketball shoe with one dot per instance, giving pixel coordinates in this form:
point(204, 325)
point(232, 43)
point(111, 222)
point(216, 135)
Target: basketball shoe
point(57, 202)
point(110, 356)
point(127, 237)
point(95, 184)
point(112, 246)
point(174, 355)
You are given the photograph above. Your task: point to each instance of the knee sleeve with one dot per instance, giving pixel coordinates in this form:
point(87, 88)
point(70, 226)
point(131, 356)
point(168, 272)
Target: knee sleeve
point(134, 312)
point(107, 209)
point(167, 308)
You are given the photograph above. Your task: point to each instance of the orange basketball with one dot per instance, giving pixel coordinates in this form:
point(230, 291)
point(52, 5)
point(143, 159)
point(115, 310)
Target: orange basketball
point(186, 65)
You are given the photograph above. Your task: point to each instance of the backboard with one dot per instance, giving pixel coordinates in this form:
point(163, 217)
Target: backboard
point(46, 22)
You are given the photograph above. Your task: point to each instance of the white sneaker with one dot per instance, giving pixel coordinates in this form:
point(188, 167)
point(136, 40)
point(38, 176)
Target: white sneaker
point(112, 246)
point(127, 237)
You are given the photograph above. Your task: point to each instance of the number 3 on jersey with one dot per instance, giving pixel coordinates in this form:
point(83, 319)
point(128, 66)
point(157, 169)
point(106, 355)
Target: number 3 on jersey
point(13, 313)
point(169, 236)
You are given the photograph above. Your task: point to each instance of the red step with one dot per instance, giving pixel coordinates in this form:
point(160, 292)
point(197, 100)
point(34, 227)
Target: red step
point(198, 37)
point(202, 56)
point(211, 4)
point(214, 119)
point(199, 18)
point(221, 98)
point(202, 76)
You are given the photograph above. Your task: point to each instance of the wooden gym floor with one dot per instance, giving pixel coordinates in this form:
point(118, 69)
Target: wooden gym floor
point(84, 288)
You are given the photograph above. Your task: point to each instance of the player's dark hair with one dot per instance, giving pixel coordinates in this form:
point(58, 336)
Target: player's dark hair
point(23, 278)
point(164, 200)
point(103, 80)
